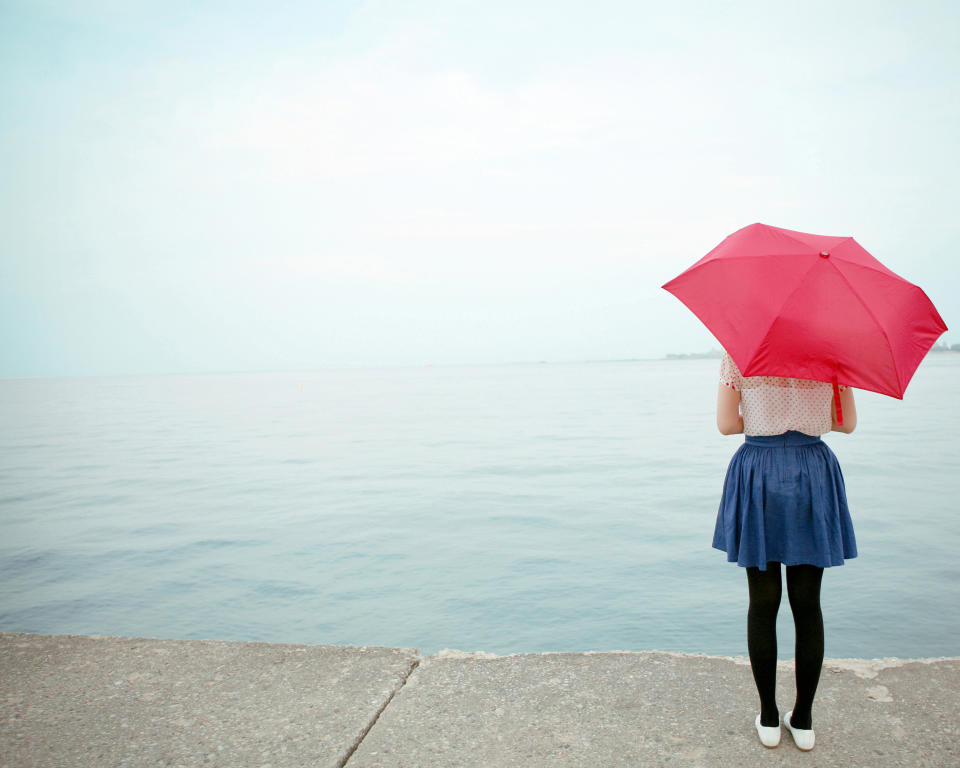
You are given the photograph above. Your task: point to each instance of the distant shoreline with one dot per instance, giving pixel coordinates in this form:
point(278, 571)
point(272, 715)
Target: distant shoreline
point(713, 353)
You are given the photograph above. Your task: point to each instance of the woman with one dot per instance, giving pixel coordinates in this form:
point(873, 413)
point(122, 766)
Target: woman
point(784, 502)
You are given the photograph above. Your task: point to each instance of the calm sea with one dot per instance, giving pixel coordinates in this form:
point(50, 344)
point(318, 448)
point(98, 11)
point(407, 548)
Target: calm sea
point(503, 508)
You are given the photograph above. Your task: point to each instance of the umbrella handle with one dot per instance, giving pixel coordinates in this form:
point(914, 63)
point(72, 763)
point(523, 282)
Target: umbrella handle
point(836, 401)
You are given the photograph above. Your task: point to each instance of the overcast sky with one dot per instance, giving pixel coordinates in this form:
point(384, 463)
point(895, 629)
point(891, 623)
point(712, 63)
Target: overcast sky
point(213, 185)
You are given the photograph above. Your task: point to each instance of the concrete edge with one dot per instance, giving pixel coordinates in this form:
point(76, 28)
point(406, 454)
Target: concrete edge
point(409, 651)
point(864, 668)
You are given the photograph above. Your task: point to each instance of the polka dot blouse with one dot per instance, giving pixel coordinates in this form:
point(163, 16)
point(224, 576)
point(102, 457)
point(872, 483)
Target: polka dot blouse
point(771, 405)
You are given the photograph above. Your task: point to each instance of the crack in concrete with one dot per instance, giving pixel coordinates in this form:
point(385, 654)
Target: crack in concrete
point(363, 734)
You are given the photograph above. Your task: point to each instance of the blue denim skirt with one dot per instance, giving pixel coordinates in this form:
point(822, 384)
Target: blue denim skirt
point(784, 500)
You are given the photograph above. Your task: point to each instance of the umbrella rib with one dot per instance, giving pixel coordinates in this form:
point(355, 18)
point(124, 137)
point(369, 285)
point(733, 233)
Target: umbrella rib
point(873, 317)
point(852, 290)
point(805, 245)
point(776, 314)
point(847, 239)
point(883, 270)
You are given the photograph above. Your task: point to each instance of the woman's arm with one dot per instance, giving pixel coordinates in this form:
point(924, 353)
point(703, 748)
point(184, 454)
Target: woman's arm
point(729, 420)
point(849, 412)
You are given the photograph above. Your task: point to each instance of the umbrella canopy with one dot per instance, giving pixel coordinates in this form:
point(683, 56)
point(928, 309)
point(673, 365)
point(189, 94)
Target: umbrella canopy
point(787, 303)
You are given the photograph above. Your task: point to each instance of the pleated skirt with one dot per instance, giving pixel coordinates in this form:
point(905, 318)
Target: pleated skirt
point(784, 500)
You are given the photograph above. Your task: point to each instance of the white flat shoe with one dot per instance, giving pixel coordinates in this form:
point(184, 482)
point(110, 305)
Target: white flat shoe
point(769, 736)
point(802, 737)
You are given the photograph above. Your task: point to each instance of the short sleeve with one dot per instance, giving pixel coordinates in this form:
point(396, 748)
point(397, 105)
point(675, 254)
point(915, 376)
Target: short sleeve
point(729, 373)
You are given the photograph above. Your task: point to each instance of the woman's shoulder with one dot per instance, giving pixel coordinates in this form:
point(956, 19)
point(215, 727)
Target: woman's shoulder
point(729, 372)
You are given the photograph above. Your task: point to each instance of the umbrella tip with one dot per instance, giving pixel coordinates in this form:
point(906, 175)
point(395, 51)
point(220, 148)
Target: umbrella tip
point(825, 254)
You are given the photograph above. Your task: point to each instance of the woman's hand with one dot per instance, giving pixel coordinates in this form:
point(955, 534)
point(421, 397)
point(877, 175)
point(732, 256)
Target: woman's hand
point(849, 412)
point(729, 420)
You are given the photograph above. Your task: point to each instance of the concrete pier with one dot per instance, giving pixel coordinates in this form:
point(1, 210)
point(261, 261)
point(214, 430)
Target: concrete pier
point(71, 700)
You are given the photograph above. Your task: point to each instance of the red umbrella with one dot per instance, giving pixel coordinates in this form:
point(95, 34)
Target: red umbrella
point(786, 303)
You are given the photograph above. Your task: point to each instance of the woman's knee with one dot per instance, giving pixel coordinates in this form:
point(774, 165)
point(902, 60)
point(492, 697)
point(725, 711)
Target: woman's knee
point(765, 589)
point(803, 587)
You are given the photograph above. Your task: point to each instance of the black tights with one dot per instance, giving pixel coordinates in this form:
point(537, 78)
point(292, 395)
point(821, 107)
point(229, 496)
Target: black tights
point(803, 589)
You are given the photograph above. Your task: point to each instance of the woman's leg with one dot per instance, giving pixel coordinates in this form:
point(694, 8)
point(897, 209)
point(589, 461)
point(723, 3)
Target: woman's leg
point(765, 590)
point(803, 589)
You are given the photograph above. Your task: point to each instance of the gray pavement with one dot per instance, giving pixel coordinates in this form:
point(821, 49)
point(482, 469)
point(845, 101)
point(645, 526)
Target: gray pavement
point(70, 700)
